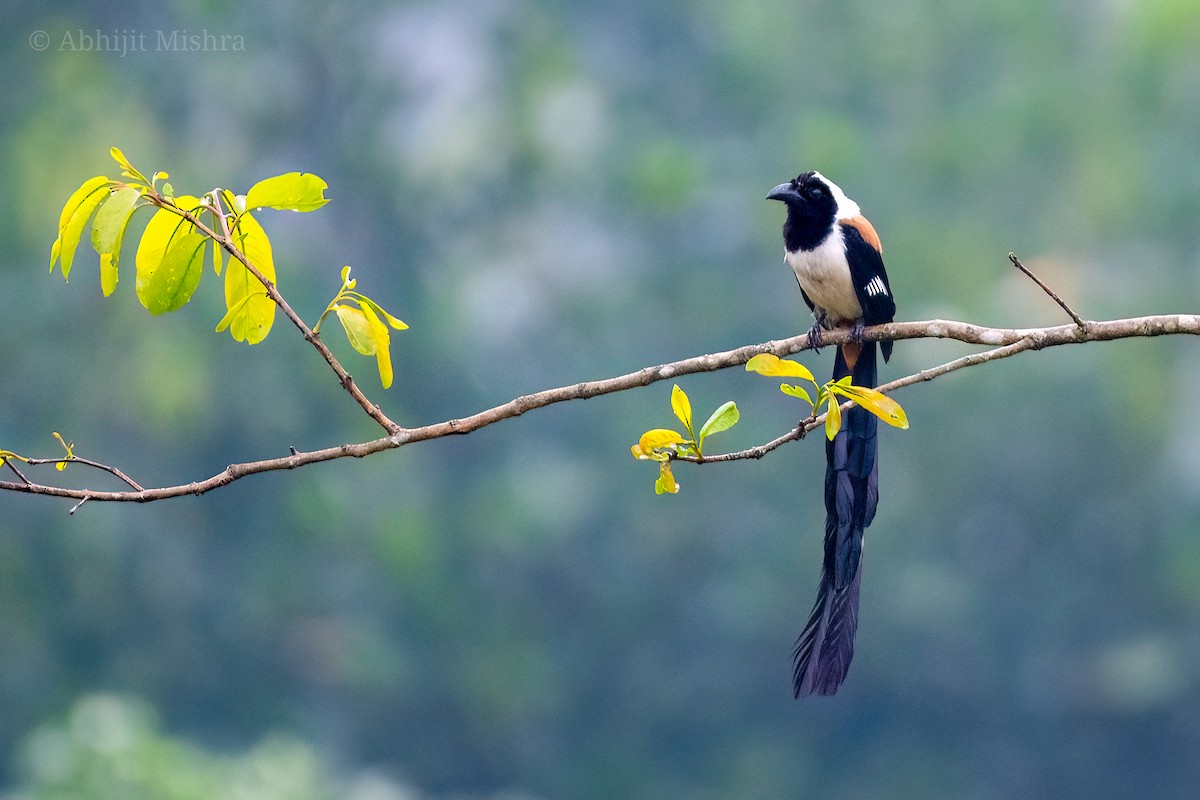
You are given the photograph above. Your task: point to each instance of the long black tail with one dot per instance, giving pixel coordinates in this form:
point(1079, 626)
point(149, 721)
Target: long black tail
point(823, 653)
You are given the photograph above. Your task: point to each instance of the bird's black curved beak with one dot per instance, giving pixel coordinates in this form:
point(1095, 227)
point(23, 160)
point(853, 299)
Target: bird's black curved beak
point(783, 192)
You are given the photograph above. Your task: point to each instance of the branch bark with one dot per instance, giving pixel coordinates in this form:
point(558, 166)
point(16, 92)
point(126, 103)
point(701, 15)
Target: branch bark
point(1004, 342)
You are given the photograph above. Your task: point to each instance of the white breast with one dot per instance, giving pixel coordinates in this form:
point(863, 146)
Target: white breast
point(824, 276)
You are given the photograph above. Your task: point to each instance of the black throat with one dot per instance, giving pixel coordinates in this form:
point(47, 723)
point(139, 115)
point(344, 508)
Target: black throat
point(802, 232)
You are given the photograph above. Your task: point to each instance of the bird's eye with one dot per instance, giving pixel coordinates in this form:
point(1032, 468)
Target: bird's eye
point(816, 192)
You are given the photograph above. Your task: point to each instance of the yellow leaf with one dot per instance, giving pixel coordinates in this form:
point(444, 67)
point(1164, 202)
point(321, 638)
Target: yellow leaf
point(877, 403)
point(363, 300)
point(382, 340)
point(108, 273)
point(773, 366)
point(833, 418)
point(666, 483)
point(75, 214)
point(654, 440)
point(682, 407)
point(252, 324)
point(120, 158)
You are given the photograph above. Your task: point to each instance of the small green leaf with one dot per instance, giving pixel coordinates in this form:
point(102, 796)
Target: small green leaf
point(79, 208)
point(796, 391)
point(833, 418)
point(724, 418)
point(217, 254)
point(682, 407)
point(773, 366)
point(169, 260)
point(291, 192)
point(252, 324)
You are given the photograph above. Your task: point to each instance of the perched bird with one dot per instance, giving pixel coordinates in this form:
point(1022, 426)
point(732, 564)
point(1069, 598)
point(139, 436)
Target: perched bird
point(836, 255)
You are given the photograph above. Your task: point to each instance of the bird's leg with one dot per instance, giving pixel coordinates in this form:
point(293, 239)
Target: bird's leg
point(858, 331)
point(821, 321)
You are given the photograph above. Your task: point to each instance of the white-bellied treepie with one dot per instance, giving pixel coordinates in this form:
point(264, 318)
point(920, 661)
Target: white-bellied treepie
point(836, 255)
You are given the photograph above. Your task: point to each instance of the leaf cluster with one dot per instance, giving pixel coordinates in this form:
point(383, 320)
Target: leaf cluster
point(827, 396)
point(171, 254)
point(662, 445)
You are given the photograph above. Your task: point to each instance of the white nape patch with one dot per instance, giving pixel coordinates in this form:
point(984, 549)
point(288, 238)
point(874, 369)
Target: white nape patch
point(824, 275)
point(846, 208)
point(876, 287)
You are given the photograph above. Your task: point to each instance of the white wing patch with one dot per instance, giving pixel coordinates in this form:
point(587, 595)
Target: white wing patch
point(876, 288)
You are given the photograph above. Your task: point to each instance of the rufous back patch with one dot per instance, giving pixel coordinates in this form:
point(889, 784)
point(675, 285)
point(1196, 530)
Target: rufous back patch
point(865, 229)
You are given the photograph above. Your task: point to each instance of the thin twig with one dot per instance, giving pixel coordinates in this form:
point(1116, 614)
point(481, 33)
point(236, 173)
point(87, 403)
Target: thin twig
point(87, 462)
point(1005, 342)
point(8, 463)
point(1061, 303)
point(226, 243)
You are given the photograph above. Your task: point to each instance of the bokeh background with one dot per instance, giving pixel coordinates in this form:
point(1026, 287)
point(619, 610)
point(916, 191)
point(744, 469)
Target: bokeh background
point(550, 192)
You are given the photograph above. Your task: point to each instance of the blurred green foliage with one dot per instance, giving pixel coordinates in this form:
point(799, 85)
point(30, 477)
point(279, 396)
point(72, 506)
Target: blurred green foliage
point(109, 748)
point(558, 191)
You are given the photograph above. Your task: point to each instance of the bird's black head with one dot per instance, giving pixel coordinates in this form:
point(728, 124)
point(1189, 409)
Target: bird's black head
point(812, 203)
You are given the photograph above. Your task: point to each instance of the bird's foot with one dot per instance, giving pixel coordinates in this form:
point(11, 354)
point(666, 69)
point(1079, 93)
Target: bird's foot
point(814, 337)
point(858, 332)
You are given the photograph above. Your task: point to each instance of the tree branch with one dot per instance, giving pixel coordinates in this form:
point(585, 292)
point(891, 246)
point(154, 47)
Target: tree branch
point(1004, 342)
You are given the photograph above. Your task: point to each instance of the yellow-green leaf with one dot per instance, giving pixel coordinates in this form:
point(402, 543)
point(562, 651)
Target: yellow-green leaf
point(79, 208)
point(127, 169)
point(232, 313)
point(877, 403)
point(666, 483)
point(108, 231)
point(833, 418)
point(217, 253)
point(378, 309)
point(293, 191)
point(724, 418)
point(253, 321)
point(682, 406)
point(773, 366)
point(120, 158)
point(358, 330)
point(169, 260)
point(796, 391)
